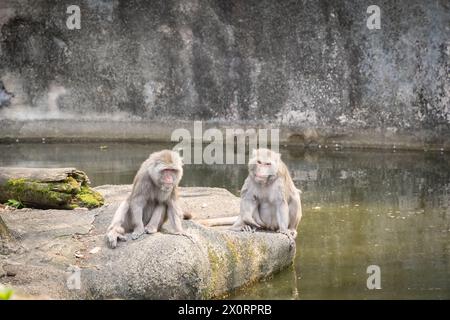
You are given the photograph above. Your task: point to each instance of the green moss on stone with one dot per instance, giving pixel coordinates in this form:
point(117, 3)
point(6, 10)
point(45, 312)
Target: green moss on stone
point(67, 194)
point(81, 178)
point(233, 252)
point(89, 198)
point(17, 184)
point(23, 190)
point(70, 185)
point(215, 266)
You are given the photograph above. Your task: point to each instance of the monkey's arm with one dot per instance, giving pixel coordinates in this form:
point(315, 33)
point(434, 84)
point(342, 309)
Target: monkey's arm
point(295, 213)
point(117, 228)
point(175, 215)
point(137, 208)
point(119, 218)
point(247, 210)
point(249, 205)
point(282, 215)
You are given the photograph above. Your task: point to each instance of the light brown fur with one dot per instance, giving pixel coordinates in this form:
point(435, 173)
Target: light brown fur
point(269, 198)
point(152, 201)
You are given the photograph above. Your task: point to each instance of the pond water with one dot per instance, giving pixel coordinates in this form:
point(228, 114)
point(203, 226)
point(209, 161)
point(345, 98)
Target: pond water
point(360, 208)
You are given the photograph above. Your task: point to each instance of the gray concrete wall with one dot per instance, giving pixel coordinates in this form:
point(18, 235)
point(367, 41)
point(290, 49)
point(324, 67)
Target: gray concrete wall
point(312, 68)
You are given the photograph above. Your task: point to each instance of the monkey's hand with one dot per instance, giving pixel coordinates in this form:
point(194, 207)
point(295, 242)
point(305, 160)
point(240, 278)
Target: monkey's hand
point(290, 236)
point(113, 236)
point(248, 228)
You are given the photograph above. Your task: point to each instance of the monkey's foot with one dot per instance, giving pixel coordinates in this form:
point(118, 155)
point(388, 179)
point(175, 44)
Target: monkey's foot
point(137, 234)
point(248, 228)
point(149, 230)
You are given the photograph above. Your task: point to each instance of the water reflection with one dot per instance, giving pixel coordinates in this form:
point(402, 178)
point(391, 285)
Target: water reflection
point(360, 208)
point(364, 208)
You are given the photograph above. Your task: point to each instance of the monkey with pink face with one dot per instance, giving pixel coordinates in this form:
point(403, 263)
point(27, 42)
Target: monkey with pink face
point(153, 199)
point(269, 198)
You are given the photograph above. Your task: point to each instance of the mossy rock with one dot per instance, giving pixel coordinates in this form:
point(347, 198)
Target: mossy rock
point(69, 189)
point(89, 198)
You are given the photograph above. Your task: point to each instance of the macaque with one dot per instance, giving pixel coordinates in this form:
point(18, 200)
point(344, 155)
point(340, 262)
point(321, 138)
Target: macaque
point(269, 198)
point(153, 199)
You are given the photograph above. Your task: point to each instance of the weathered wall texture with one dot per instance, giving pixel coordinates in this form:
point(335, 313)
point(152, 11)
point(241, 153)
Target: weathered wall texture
point(312, 66)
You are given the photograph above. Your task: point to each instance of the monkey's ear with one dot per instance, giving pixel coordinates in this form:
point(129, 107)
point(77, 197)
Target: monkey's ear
point(253, 152)
point(182, 160)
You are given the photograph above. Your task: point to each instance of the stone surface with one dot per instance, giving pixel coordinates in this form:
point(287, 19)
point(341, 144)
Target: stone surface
point(311, 67)
point(165, 266)
point(47, 188)
point(210, 263)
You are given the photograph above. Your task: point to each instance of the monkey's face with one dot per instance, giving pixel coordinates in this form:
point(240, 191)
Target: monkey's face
point(168, 178)
point(263, 165)
point(167, 171)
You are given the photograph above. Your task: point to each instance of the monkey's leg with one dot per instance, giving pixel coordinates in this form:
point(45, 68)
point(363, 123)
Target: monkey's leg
point(156, 219)
point(137, 208)
point(116, 230)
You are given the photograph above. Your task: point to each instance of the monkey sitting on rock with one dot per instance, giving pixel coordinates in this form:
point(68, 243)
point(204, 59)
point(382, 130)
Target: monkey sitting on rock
point(153, 199)
point(269, 198)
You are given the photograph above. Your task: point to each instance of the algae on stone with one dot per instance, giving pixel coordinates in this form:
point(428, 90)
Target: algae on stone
point(67, 191)
point(89, 198)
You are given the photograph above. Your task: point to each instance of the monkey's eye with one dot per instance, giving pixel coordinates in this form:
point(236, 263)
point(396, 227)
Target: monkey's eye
point(267, 163)
point(258, 162)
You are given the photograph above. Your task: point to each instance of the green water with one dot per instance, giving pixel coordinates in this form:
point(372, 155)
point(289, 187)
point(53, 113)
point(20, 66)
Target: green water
point(359, 209)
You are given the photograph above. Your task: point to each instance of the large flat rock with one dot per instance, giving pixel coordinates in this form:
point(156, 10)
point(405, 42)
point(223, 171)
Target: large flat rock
point(210, 263)
point(165, 266)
